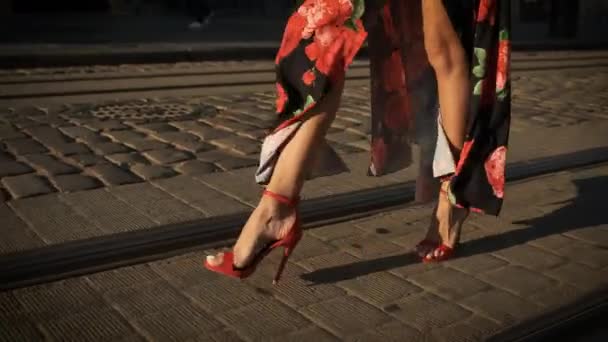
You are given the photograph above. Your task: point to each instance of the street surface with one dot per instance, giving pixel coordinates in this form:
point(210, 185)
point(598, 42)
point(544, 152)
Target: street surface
point(351, 281)
point(93, 152)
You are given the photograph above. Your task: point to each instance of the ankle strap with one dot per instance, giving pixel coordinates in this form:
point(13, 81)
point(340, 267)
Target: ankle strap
point(286, 200)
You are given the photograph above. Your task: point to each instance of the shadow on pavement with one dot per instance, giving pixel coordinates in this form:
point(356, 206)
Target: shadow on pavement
point(586, 210)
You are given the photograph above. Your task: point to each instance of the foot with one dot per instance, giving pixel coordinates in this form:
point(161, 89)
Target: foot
point(270, 221)
point(450, 220)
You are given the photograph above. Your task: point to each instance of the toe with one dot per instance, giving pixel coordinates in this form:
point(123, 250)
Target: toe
point(215, 260)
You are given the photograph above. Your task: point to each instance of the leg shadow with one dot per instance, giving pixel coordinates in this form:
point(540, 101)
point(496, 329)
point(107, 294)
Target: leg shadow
point(586, 210)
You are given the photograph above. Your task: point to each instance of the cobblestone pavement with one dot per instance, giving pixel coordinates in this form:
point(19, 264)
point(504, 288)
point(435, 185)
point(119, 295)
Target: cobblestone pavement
point(70, 148)
point(351, 281)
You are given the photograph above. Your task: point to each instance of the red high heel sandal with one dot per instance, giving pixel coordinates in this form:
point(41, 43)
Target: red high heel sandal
point(288, 243)
point(444, 251)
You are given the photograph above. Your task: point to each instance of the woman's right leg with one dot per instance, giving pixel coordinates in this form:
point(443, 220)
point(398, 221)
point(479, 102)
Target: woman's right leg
point(272, 220)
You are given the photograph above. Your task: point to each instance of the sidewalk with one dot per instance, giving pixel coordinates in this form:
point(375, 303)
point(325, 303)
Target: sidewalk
point(29, 40)
point(75, 177)
point(354, 281)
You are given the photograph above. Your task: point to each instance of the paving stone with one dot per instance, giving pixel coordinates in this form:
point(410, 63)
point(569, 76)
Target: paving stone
point(199, 196)
point(278, 320)
point(156, 204)
point(141, 300)
point(146, 144)
point(476, 264)
point(226, 295)
point(24, 146)
point(476, 328)
point(23, 122)
point(175, 137)
point(96, 324)
point(167, 156)
point(77, 132)
point(238, 144)
point(71, 183)
point(13, 168)
point(26, 186)
point(580, 276)
point(195, 167)
point(194, 146)
point(127, 159)
point(86, 160)
point(107, 211)
point(105, 148)
point(20, 329)
point(105, 125)
point(149, 172)
point(594, 236)
point(224, 335)
point(425, 311)
point(344, 137)
point(501, 306)
point(112, 175)
point(47, 135)
point(394, 331)
point(16, 237)
point(184, 272)
point(156, 127)
point(123, 277)
point(557, 296)
point(69, 149)
point(335, 231)
point(366, 246)
point(530, 257)
point(293, 290)
point(125, 135)
point(10, 133)
point(590, 255)
point(345, 315)
point(213, 156)
point(48, 165)
point(233, 163)
point(177, 323)
point(379, 288)
point(5, 156)
point(551, 242)
point(304, 335)
point(448, 283)
point(205, 133)
point(53, 220)
point(517, 280)
point(58, 299)
point(225, 124)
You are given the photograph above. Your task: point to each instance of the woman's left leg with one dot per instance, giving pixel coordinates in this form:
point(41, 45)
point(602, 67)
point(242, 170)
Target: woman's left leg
point(448, 59)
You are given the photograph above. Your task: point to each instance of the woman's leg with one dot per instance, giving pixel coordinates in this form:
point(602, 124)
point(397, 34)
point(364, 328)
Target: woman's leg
point(447, 57)
point(272, 220)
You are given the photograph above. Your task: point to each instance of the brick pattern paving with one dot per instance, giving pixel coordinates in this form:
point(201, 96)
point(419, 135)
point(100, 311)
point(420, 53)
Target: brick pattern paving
point(352, 281)
point(80, 147)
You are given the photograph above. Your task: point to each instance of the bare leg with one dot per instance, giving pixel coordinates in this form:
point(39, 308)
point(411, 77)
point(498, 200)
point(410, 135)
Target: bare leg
point(272, 220)
point(447, 57)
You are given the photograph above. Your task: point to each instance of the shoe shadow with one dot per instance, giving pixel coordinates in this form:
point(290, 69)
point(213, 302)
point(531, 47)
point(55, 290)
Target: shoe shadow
point(585, 210)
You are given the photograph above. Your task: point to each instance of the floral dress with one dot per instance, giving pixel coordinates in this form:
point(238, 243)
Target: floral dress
point(321, 40)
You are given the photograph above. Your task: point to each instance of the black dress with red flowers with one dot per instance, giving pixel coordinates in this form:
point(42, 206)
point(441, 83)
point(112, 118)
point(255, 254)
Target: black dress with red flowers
point(320, 42)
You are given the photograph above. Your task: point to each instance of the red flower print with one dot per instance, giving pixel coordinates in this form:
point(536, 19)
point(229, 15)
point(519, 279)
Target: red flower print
point(318, 14)
point(504, 48)
point(397, 111)
point(393, 75)
point(487, 11)
point(312, 51)
point(464, 154)
point(330, 56)
point(281, 98)
point(292, 36)
point(495, 170)
point(309, 77)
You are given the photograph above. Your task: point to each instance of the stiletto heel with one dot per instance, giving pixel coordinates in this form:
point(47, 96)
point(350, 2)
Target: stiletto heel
point(442, 251)
point(289, 243)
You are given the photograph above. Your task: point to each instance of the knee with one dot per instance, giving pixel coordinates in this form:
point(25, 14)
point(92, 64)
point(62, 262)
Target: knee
point(446, 56)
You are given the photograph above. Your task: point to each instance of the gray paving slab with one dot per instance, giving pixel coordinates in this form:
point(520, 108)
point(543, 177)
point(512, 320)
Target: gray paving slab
point(333, 292)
